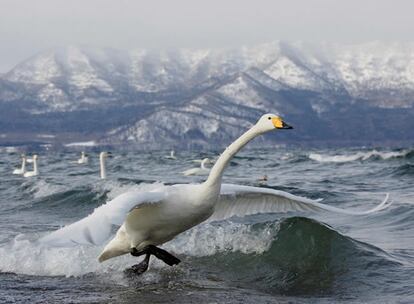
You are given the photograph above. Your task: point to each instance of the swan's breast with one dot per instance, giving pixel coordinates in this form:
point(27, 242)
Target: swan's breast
point(156, 223)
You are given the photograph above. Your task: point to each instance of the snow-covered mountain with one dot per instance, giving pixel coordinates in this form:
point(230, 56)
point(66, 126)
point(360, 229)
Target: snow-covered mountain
point(209, 96)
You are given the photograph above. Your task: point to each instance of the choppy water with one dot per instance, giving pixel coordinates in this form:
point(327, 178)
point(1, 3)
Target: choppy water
point(271, 258)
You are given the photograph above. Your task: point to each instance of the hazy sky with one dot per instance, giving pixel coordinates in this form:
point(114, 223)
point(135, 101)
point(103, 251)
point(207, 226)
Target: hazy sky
point(30, 26)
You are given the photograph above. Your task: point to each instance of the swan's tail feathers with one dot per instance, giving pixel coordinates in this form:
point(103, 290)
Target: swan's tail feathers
point(109, 253)
point(106, 255)
point(119, 245)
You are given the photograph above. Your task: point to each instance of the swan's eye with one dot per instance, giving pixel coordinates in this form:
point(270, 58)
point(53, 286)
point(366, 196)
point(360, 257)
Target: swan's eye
point(269, 118)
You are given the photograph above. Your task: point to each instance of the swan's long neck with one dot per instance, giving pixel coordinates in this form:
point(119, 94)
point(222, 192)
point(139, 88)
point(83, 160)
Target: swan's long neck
point(216, 173)
point(203, 162)
point(103, 169)
point(23, 168)
point(35, 168)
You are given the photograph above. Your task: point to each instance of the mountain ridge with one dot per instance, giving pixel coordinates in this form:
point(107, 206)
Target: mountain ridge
point(121, 97)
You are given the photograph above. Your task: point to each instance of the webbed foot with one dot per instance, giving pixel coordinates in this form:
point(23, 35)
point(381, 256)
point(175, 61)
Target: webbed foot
point(140, 268)
point(161, 254)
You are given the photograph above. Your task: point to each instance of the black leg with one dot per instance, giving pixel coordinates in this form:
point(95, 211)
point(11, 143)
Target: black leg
point(163, 255)
point(137, 253)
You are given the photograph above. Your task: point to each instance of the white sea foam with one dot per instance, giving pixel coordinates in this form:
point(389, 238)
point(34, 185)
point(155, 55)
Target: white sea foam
point(82, 144)
point(26, 255)
point(208, 239)
point(357, 156)
point(45, 136)
point(30, 257)
point(9, 149)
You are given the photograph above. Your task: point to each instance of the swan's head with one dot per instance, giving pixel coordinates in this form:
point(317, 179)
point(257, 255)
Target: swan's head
point(35, 156)
point(269, 122)
point(105, 154)
point(205, 160)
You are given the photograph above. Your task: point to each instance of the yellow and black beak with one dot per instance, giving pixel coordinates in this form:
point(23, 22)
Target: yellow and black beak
point(280, 124)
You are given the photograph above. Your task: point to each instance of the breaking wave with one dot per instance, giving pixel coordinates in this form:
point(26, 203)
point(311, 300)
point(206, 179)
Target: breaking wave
point(295, 254)
point(361, 156)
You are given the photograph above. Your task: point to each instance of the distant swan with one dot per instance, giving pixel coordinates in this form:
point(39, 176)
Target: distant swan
point(83, 159)
point(22, 169)
point(199, 161)
point(263, 180)
point(198, 171)
point(102, 158)
point(35, 171)
point(149, 219)
point(172, 155)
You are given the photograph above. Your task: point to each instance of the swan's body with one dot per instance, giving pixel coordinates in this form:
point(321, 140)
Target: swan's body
point(102, 166)
point(172, 155)
point(198, 171)
point(263, 178)
point(199, 161)
point(35, 171)
point(155, 217)
point(22, 169)
point(83, 159)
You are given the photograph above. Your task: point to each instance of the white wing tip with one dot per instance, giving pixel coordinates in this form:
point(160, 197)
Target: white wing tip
point(386, 202)
point(382, 206)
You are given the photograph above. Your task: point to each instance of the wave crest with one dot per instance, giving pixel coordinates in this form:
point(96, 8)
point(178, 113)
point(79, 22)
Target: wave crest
point(360, 156)
point(305, 256)
point(294, 256)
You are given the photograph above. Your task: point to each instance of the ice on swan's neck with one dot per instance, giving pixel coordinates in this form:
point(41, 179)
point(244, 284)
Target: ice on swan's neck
point(216, 173)
point(103, 169)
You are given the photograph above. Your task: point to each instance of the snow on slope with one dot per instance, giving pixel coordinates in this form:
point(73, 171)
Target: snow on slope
point(74, 78)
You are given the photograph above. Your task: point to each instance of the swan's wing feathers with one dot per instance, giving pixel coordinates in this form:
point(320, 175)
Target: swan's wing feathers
point(236, 200)
point(96, 227)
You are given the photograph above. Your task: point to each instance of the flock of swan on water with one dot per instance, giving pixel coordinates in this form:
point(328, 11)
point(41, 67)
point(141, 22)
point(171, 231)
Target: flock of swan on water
point(148, 219)
point(84, 159)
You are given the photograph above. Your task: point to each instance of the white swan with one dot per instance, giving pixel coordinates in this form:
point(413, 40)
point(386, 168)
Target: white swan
point(35, 171)
point(200, 170)
point(102, 157)
point(263, 180)
point(172, 155)
point(83, 159)
point(22, 169)
point(152, 218)
point(199, 161)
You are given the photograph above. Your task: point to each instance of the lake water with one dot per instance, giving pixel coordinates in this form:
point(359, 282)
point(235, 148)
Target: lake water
point(291, 257)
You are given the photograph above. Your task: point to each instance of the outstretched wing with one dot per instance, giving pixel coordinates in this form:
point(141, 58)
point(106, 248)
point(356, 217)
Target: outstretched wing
point(96, 227)
point(236, 200)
